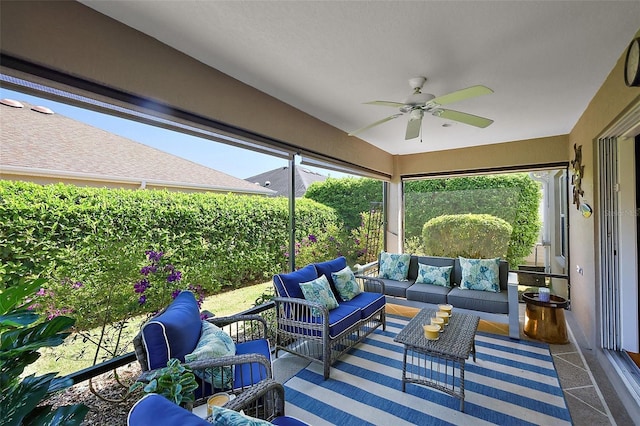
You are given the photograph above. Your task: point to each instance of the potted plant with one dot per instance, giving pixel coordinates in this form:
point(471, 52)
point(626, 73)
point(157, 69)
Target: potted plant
point(176, 382)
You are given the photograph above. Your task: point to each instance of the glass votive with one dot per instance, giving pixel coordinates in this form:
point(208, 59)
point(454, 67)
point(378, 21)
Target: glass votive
point(444, 316)
point(431, 332)
point(543, 294)
point(439, 322)
point(446, 308)
point(218, 399)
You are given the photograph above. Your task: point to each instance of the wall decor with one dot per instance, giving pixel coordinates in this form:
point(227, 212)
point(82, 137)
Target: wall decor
point(577, 174)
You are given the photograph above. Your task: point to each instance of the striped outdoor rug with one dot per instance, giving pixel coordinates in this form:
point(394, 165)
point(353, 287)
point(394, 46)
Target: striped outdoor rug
point(512, 383)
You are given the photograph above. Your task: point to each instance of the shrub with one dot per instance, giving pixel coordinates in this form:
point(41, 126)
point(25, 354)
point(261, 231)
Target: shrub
point(514, 198)
point(348, 196)
point(467, 235)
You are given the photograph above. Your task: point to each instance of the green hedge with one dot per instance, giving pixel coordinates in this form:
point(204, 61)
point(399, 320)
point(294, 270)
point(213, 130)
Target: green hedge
point(348, 196)
point(467, 235)
point(511, 197)
point(215, 240)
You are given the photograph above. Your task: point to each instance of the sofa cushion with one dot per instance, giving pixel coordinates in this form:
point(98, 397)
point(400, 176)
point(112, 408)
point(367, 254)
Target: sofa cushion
point(319, 291)
point(213, 343)
point(480, 274)
point(428, 293)
point(249, 374)
point(153, 409)
point(396, 288)
point(368, 303)
point(174, 333)
point(346, 284)
point(485, 301)
point(330, 266)
point(434, 275)
point(394, 266)
point(288, 285)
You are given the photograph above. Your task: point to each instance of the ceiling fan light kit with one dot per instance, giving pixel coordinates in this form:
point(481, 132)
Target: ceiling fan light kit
point(417, 103)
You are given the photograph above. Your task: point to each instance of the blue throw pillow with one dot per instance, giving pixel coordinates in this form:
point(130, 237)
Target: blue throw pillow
point(214, 343)
point(394, 266)
point(319, 291)
point(346, 284)
point(436, 275)
point(225, 417)
point(480, 274)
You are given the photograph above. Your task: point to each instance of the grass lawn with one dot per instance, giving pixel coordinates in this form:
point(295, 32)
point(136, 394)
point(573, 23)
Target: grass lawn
point(76, 353)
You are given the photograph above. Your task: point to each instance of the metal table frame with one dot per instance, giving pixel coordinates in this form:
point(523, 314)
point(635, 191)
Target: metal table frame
point(432, 362)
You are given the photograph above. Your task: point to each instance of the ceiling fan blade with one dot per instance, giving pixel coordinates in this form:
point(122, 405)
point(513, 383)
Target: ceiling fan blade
point(463, 117)
point(459, 95)
point(413, 128)
point(384, 120)
point(386, 103)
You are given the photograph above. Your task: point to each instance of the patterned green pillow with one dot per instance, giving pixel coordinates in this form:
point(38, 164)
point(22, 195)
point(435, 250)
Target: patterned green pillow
point(480, 274)
point(346, 284)
point(319, 291)
point(394, 266)
point(225, 417)
point(436, 275)
point(214, 343)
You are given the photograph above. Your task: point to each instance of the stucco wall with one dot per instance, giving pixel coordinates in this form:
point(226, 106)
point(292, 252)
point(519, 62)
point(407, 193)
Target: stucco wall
point(610, 102)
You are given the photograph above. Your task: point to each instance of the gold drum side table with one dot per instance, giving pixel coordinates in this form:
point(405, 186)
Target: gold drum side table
point(545, 320)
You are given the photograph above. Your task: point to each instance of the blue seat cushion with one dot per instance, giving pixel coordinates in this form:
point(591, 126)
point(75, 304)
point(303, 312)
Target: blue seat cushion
point(326, 268)
point(249, 374)
point(153, 410)
point(368, 303)
point(288, 421)
point(340, 319)
point(174, 333)
point(288, 285)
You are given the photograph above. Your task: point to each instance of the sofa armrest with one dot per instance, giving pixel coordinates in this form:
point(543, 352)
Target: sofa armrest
point(374, 285)
point(242, 328)
point(514, 308)
point(294, 315)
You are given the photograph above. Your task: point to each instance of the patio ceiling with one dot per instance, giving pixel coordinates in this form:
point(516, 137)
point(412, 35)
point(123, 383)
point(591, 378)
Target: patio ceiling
point(544, 60)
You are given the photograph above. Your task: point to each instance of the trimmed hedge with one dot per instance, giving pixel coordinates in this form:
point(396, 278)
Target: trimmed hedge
point(467, 235)
point(349, 197)
point(512, 197)
point(215, 240)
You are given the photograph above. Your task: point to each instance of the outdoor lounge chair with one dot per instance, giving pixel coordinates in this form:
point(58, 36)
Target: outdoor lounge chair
point(176, 332)
point(265, 401)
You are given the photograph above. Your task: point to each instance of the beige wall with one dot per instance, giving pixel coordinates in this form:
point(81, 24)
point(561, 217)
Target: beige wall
point(611, 101)
point(72, 38)
point(519, 153)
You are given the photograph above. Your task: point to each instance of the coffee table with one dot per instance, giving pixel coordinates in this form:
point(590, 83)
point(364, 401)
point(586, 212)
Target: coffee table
point(433, 362)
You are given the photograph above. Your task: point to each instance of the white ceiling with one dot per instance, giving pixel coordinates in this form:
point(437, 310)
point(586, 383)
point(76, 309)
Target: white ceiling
point(544, 60)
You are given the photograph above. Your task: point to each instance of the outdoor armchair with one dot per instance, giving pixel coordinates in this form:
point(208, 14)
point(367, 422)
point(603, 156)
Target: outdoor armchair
point(179, 332)
point(265, 400)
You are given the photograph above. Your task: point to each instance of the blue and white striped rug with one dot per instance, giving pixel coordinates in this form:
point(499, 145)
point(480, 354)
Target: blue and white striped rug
point(512, 383)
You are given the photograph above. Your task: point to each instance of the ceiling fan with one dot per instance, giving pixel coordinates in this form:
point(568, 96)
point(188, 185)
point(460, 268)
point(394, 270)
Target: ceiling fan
point(419, 103)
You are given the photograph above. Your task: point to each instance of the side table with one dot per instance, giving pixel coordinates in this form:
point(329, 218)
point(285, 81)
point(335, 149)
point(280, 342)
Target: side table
point(545, 320)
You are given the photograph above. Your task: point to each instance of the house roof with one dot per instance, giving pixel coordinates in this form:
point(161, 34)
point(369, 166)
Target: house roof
point(278, 180)
point(51, 145)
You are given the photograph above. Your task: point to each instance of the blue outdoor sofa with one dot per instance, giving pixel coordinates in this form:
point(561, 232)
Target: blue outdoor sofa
point(311, 330)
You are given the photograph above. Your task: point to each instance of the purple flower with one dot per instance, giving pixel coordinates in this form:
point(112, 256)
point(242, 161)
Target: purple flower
point(150, 269)
point(313, 238)
point(41, 292)
point(142, 299)
point(175, 293)
point(154, 256)
point(141, 286)
point(174, 276)
point(169, 268)
point(77, 284)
